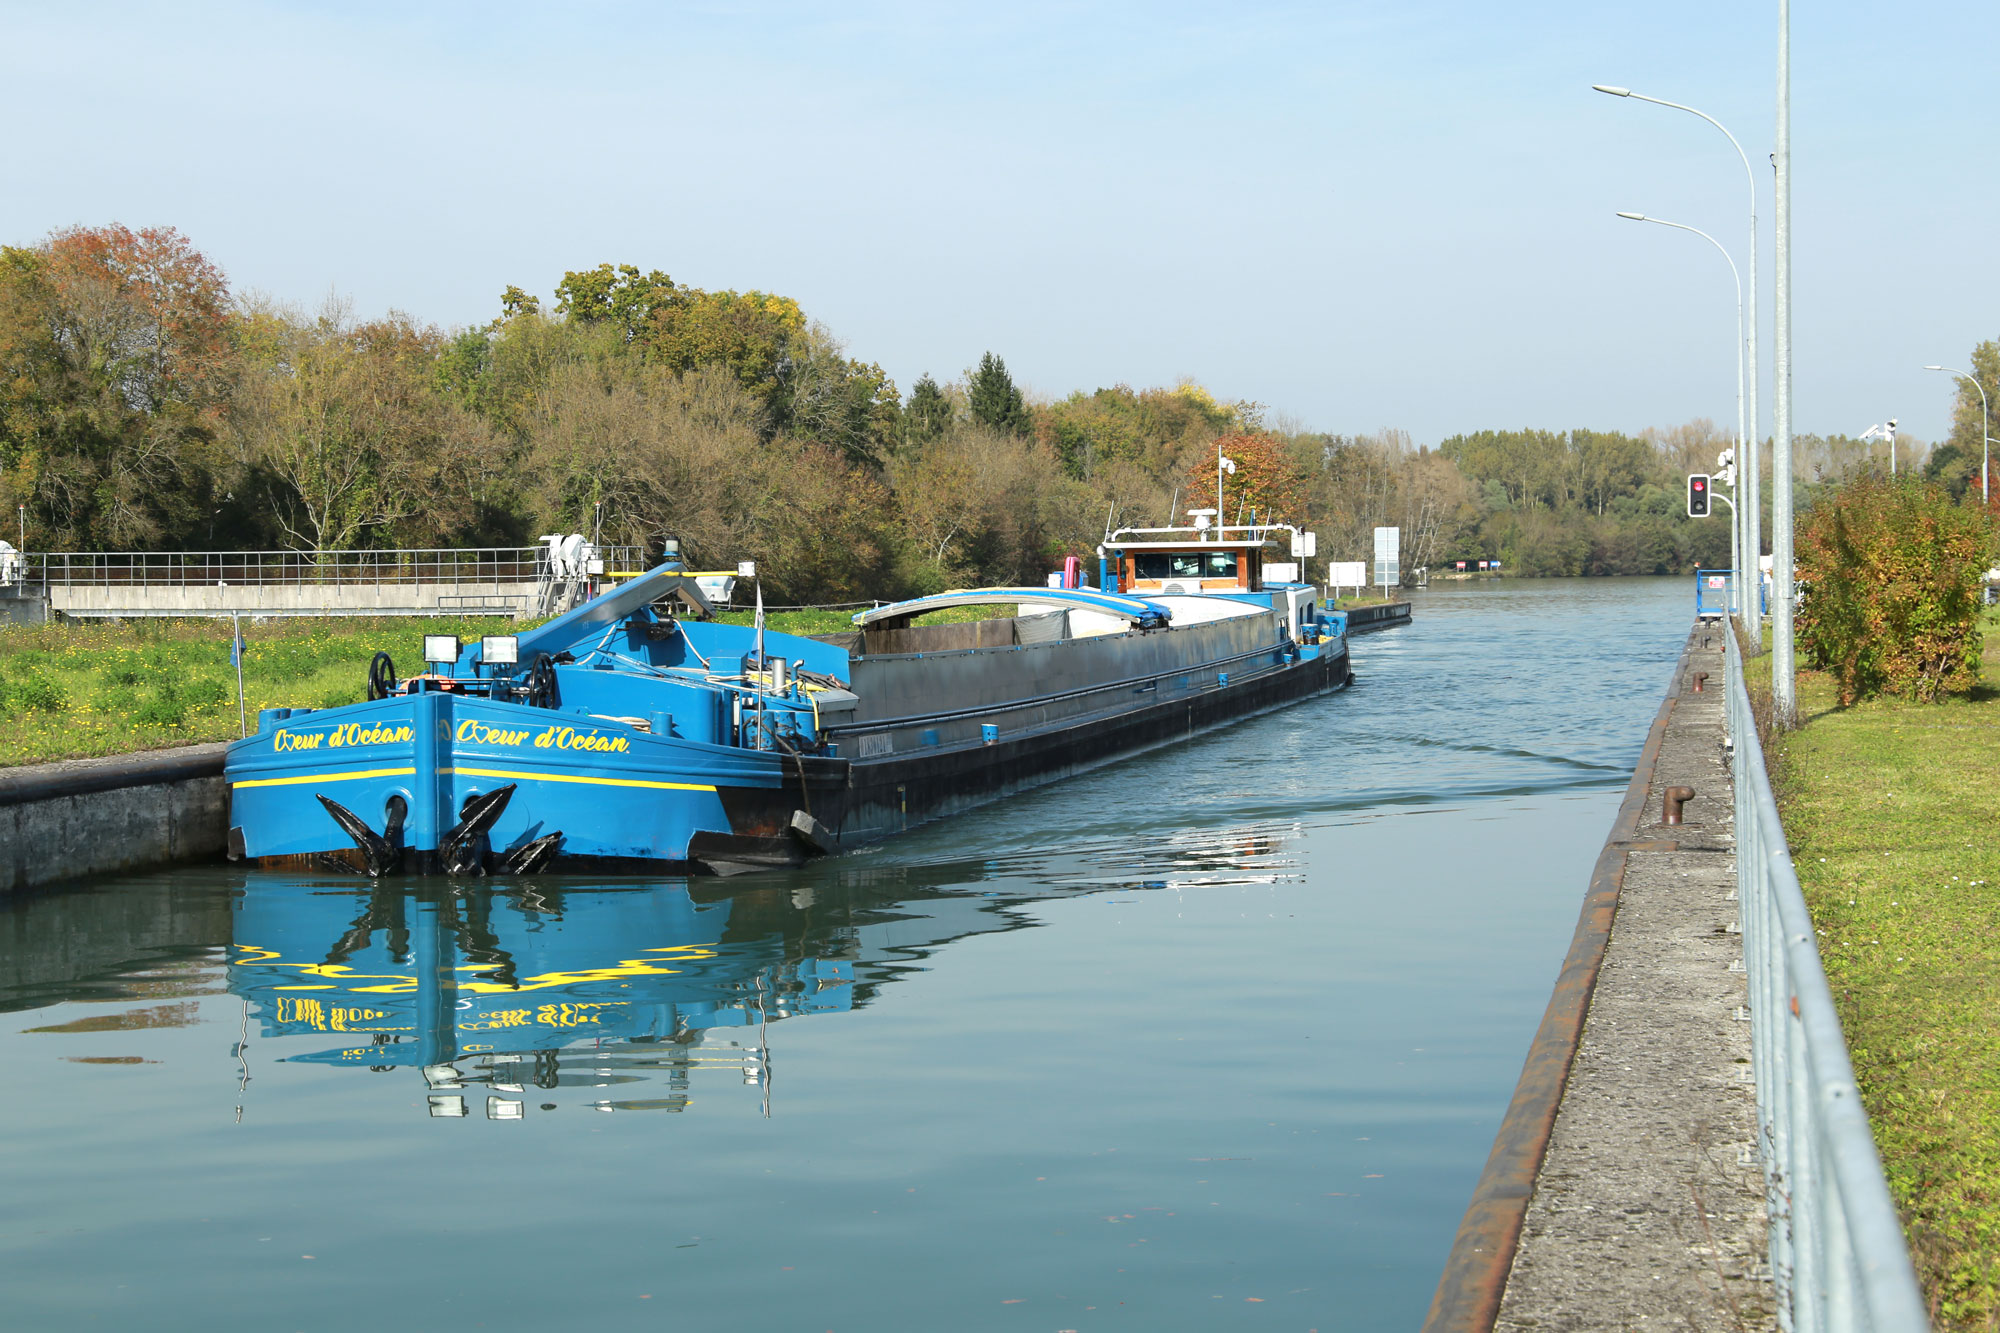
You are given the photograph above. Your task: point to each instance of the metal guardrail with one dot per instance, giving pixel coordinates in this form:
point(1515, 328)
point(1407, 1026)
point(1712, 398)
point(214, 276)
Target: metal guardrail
point(185, 569)
point(1838, 1257)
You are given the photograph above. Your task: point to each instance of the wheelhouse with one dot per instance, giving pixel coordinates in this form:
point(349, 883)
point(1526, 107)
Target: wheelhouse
point(1190, 567)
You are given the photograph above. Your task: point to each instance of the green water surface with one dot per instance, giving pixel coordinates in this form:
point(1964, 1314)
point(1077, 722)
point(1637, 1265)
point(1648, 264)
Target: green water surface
point(1214, 1038)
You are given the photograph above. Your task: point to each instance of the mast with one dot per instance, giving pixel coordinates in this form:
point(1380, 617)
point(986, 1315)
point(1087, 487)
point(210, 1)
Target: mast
point(1220, 512)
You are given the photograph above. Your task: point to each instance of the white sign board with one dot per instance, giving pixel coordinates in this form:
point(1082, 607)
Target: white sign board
point(1388, 556)
point(1347, 573)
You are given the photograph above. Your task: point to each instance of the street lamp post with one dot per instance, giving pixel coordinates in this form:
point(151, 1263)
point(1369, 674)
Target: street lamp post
point(1746, 459)
point(1784, 572)
point(1985, 430)
point(1745, 613)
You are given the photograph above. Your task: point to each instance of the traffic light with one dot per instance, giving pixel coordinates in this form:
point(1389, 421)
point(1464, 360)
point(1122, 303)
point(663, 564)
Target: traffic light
point(1697, 495)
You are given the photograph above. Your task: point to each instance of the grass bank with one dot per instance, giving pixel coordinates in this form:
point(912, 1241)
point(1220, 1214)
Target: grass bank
point(1889, 810)
point(72, 691)
point(79, 690)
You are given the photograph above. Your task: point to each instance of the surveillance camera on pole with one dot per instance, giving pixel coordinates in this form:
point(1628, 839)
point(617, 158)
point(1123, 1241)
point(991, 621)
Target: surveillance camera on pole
point(1887, 434)
point(1698, 496)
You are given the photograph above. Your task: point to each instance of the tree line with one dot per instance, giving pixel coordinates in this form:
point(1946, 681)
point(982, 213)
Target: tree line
point(146, 406)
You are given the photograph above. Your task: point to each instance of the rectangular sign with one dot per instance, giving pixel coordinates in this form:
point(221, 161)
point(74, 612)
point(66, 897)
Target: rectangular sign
point(1347, 573)
point(1388, 556)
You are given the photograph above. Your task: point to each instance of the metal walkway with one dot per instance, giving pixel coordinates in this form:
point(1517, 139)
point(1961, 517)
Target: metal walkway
point(516, 581)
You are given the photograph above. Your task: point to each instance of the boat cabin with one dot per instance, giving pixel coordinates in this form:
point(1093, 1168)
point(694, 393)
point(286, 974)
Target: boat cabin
point(1185, 567)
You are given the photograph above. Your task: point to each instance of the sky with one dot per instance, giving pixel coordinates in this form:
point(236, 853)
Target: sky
point(1362, 215)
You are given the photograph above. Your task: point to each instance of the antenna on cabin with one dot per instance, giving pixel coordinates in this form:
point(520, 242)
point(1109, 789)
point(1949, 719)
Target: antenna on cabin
point(1222, 465)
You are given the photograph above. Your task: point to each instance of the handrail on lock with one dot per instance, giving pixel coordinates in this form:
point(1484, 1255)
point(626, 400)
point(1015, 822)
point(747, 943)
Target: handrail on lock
point(1839, 1261)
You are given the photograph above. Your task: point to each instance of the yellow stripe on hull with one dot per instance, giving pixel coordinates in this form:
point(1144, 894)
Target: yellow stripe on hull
point(348, 776)
point(565, 777)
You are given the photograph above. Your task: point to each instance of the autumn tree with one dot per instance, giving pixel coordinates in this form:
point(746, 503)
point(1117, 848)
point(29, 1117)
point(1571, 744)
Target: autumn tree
point(666, 455)
point(821, 525)
point(115, 375)
point(1267, 481)
point(619, 297)
point(1159, 431)
point(346, 421)
point(836, 401)
point(981, 506)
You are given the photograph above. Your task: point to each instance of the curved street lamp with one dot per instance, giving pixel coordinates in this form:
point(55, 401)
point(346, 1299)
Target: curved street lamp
point(1985, 444)
point(1750, 618)
point(1753, 537)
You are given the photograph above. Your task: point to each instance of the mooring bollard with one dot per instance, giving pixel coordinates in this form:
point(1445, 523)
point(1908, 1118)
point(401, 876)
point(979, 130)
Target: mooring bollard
point(1673, 799)
point(1700, 679)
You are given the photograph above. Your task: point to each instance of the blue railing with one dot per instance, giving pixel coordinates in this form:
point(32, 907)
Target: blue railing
point(1838, 1258)
point(1714, 593)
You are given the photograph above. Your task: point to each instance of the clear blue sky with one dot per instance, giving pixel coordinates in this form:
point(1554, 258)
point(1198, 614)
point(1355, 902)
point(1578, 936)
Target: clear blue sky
point(1361, 214)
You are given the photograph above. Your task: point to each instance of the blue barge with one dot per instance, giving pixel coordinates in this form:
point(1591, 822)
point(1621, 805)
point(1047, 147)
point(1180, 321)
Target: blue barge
point(638, 733)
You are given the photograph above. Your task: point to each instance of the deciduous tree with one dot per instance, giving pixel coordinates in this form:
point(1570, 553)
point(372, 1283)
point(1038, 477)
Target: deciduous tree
point(115, 373)
point(346, 419)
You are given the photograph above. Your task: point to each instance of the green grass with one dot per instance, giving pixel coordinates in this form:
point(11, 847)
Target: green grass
point(1889, 810)
point(70, 691)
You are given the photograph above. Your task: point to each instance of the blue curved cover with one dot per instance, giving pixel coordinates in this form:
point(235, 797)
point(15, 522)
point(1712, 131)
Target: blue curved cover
point(1145, 614)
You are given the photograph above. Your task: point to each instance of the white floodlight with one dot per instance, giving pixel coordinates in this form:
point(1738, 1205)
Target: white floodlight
point(440, 648)
point(503, 1108)
point(500, 649)
point(746, 569)
point(446, 1108)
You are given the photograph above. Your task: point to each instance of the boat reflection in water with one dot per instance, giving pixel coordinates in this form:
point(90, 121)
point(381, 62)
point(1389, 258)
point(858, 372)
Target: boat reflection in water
point(570, 986)
point(509, 989)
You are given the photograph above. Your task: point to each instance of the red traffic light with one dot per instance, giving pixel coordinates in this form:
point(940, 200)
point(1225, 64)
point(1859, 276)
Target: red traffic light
point(1700, 483)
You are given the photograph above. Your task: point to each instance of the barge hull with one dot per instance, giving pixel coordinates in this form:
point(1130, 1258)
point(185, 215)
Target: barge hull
point(896, 793)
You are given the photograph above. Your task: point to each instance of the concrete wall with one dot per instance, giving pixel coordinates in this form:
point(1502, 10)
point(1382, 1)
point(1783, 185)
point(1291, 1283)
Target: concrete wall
point(349, 599)
point(17, 608)
point(1363, 619)
point(89, 816)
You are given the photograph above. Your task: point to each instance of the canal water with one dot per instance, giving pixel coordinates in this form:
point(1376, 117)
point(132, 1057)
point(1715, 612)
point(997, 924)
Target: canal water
point(1214, 1038)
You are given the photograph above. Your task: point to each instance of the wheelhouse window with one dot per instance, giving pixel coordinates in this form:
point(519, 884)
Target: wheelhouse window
point(1167, 566)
